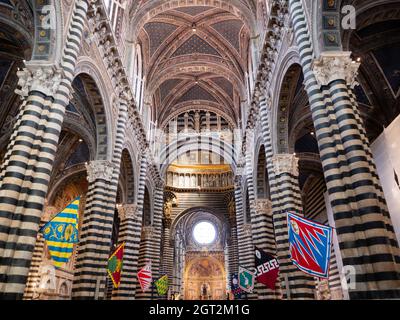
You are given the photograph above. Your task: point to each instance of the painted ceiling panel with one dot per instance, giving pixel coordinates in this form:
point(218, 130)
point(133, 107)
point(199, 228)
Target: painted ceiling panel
point(230, 30)
point(225, 85)
point(197, 93)
point(195, 44)
point(194, 11)
point(158, 32)
point(167, 87)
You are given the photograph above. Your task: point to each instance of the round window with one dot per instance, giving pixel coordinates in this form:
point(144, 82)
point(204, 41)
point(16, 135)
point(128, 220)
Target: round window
point(204, 232)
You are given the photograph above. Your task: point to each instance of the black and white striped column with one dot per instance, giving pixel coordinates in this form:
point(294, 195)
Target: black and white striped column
point(151, 244)
point(244, 232)
point(32, 284)
point(98, 218)
point(130, 233)
point(28, 164)
point(286, 196)
point(364, 228)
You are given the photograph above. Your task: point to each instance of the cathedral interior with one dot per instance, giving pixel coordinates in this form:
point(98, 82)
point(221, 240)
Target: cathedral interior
point(189, 129)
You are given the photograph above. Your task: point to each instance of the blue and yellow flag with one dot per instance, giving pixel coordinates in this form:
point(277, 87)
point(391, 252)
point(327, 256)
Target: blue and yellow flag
point(61, 233)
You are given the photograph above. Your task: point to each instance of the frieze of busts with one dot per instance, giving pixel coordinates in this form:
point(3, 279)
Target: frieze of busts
point(286, 163)
point(101, 169)
point(42, 78)
point(332, 66)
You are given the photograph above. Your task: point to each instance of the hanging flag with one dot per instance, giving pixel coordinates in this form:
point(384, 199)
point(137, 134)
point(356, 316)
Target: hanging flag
point(236, 291)
point(267, 268)
point(61, 233)
point(246, 280)
point(396, 178)
point(114, 267)
point(310, 245)
point(162, 285)
point(145, 277)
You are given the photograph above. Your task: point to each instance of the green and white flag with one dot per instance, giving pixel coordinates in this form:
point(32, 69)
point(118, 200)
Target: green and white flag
point(246, 280)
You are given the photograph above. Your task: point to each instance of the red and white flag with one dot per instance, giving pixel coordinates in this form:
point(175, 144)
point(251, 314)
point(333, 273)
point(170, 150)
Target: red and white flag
point(145, 277)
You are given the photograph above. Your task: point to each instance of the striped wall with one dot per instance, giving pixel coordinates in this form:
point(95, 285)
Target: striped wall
point(364, 228)
point(28, 164)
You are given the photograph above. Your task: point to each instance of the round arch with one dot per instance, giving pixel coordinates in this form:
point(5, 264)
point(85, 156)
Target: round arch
point(177, 148)
point(96, 91)
point(280, 106)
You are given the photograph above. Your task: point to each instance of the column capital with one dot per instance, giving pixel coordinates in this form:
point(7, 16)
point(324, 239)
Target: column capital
point(263, 205)
point(148, 232)
point(286, 163)
point(247, 229)
point(331, 66)
point(100, 169)
point(48, 212)
point(39, 77)
point(238, 180)
point(127, 210)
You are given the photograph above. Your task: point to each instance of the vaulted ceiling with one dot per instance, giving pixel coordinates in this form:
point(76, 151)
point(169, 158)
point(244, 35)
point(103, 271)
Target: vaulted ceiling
point(195, 56)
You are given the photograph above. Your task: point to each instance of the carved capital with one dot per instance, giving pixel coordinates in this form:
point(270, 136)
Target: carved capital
point(238, 180)
point(48, 212)
point(332, 66)
point(286, 163)
point(148, 232)
point(263, 205)
point(101, 169)
point(126, 211)
point(247, 229)
point(43, 78)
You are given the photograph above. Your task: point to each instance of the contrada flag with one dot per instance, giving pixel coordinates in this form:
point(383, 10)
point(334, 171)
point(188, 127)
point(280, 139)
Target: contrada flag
point(145, 277)
point(267, 268)
point(310, 245)
point(236, 291)
point(114, 267)
point(162, 285)
point(61, 233)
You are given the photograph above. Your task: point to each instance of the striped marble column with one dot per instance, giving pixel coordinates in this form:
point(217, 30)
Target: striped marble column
point(98, 218)
point(130, 233)
point(95, 238)
point(364, 229)
point(168, 249)
point(233, 259)
point(264, 238)
point(130, 226)
point(150, 249)
point(244, 232)
point(25, 177)
point(33, 281)
point(287, 197)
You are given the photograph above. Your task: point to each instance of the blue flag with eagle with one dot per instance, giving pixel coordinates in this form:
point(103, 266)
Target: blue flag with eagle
point(61, 233)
